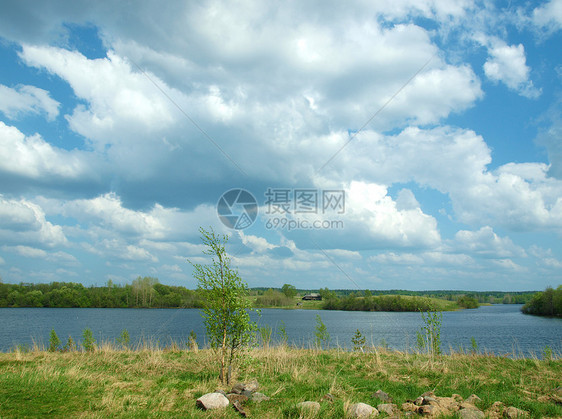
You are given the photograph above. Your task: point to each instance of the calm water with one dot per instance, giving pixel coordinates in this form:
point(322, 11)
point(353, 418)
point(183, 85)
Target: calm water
point(499, 329)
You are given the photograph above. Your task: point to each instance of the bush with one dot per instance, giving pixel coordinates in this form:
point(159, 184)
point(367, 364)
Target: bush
point(273, 298)
point(467, 302)
point(54, 341)
point(88, 341)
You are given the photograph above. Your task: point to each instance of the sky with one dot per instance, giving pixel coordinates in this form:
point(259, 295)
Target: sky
point(400, 144)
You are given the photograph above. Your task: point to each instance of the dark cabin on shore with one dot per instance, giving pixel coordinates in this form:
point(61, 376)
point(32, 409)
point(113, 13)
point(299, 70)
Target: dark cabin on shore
point(312, 296)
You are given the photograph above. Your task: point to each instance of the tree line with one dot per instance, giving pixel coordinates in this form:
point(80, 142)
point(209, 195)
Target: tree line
point(546, 303)
point(143, 292)
point(147, 292)
point(369, 302)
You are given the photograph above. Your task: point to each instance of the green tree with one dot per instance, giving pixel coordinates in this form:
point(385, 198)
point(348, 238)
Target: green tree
point(289, 290)
point(88, 340)
point(70, 345)
point(321, 333)
point(431, 330)
point(358, 341)
point(54, 341)
point(124, 339)
point(226, 308)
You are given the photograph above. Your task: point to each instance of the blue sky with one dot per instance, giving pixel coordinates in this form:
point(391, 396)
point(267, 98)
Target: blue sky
point(439, 122)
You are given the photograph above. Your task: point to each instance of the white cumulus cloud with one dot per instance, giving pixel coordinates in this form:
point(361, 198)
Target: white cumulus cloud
point(24, 99)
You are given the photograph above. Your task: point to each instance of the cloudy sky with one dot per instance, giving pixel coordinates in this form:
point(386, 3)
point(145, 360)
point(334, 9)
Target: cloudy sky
point(412, 144)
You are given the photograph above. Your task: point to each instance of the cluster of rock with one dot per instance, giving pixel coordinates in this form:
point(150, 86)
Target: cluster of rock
point(428, 405)
point(238, 395)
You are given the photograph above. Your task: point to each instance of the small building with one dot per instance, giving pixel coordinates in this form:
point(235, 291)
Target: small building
point(312, 296)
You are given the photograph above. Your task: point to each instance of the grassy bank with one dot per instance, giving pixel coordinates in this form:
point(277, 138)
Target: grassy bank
point(165, 383)
point(389, 302)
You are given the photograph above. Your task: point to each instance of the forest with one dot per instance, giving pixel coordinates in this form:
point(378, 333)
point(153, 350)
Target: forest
point(546, 303)
point(144, 292)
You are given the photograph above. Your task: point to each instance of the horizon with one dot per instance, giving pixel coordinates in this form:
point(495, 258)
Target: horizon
point(354, 290)
point(387, 146)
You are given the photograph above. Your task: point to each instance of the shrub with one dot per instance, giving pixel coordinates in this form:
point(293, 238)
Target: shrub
point(54, 341)
point(88, 341)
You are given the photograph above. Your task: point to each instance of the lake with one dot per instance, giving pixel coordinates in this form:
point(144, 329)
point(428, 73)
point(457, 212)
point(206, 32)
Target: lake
point(499, 329)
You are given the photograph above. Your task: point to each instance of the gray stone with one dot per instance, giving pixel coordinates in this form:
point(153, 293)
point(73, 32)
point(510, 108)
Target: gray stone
point(381, 395)
point(388, 408)
point(211, 401)
point(309, 406)
point(512, 413)
point(409, 407)
point(419, 401)
point(252, 386)
point(238, 388)
point(233, 397)
point(246, 393)
point(473, 398)
point(471, 414)
point(429, 400)
point(429, 410)
point(361, 410)
point(259, 397)
point(239, 409)
point(221, 392)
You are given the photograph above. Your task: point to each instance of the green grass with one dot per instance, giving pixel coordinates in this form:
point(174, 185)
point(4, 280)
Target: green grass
point(166, 383)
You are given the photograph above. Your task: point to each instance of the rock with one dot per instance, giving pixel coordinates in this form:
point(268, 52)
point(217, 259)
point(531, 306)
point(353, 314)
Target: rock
point(246, 393)
point(388, 408)
point(429, 410)
point(211, 401)
point(429, 400)
point(458, 398)
point(419, 401)
point(258, 397)
point(381, 395)
point(252, 386)
point(238, 388)
point(512, 413)
point(428, 394)
point(495, 410)
point(361, 410)
point(446, 404)
point(233, 397)
point(309, 406)
point(471, 414)
point(239, 409)
point(409, 407)
point(473, 399)
point(221, 392)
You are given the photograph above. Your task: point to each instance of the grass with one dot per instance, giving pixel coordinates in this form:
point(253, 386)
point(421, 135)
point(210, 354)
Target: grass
point(154, 382)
